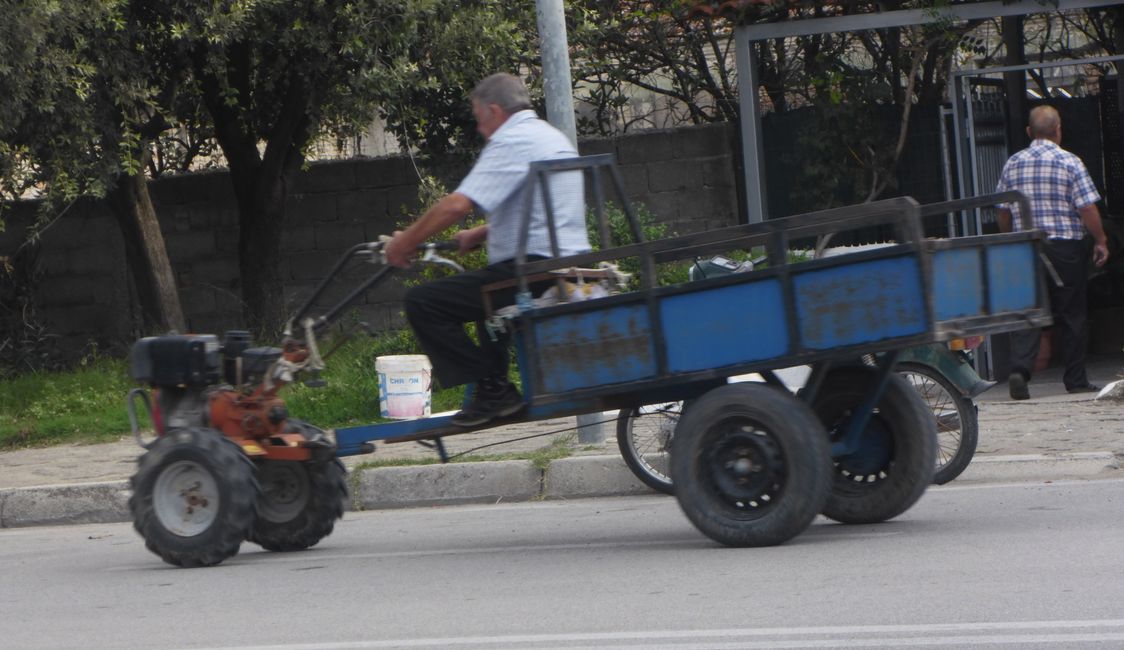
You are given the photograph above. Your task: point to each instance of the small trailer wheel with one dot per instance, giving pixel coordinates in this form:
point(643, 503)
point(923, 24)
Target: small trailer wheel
point(194, 497)
point(955, 415)
point(644, 435)
point(750, 464)
point(300, 501)
point(896, 457)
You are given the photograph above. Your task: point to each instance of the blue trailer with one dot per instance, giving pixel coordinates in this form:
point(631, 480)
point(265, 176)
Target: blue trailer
point(753, 463)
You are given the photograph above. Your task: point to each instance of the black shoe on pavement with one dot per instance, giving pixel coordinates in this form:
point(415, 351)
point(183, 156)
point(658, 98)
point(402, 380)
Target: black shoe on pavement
point(1016, 384)
point(1087, 388)
point(493, 400)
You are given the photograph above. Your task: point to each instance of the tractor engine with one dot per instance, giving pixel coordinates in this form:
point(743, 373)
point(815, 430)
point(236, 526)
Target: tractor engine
point(186, 371)
point(180, 368)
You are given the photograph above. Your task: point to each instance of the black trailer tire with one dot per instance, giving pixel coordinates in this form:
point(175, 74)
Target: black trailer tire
point(955, 416)
point(895, 464)
point(300, 501)
point(194, 497)
point(644, 435)
point(751, 465)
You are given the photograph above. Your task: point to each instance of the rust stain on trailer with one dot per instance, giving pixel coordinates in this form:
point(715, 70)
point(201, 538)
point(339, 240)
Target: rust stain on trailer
point(842, 311)
point(609, 352)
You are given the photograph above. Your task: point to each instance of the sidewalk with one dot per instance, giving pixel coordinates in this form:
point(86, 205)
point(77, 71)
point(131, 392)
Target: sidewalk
point(1053, 435)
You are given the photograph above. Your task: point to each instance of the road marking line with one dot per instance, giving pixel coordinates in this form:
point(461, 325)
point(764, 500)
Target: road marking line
point(854, 636)
point(1056, 640)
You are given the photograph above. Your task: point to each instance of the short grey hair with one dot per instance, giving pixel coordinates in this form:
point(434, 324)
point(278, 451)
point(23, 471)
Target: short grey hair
point(505, 90)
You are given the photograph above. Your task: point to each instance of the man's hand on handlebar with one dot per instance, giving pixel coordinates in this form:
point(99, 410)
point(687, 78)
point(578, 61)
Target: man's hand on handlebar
point(400, 251)
point(471, 238)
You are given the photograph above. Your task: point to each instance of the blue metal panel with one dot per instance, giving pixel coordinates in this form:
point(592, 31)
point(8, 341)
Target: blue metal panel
point(350, 438)
point(726, 325)
point(588, 349)
point(860, 302)
point(957, 290)
point(1011, 274)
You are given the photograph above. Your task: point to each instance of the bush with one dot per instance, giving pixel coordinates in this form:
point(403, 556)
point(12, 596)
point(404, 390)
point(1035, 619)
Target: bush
point(620, 234)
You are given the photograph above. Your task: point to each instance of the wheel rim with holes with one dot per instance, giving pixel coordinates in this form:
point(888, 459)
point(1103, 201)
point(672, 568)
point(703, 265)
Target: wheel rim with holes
point(871, 461)
point(744, 468)
point(186, 498)
point(285, 490)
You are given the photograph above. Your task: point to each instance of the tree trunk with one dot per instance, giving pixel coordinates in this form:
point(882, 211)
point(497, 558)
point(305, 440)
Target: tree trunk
point(261, 206)
point(146, 255)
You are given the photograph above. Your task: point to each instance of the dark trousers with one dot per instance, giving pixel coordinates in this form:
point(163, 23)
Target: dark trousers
point(438, 311)
point(1070, 258)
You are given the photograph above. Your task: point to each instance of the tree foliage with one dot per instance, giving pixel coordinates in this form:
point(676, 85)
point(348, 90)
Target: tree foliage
point(274, 75)
point(456, 45)
point(48, 121)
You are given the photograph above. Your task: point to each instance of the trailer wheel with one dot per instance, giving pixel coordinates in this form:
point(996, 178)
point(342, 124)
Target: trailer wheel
point(895, 460)
point(956, 418)
point(750, 464)
point(300, 501)
point(194, 497)
point(644, 435)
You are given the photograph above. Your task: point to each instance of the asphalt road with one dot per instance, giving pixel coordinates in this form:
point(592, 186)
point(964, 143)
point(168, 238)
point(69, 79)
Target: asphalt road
point(1034, 565)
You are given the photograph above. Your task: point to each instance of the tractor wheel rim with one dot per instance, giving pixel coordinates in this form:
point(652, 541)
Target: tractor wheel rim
point(186, 499)
point(285, 491)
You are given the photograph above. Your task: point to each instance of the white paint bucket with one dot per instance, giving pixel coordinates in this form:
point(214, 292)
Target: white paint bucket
point(404, 386)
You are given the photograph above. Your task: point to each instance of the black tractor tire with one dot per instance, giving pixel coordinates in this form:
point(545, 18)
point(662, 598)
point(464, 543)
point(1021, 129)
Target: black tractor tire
point(644, 435)
point(751, 465)
point(300, 501)
point(899, 447)
point(194, 497)
point(958, 425)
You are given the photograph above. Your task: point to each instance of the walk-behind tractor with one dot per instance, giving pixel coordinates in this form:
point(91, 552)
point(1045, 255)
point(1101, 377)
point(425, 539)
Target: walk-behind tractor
point(753, 464)
point(228, 463)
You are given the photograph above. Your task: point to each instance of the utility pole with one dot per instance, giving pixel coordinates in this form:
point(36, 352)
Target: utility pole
point(556, 67)
point(559, 92)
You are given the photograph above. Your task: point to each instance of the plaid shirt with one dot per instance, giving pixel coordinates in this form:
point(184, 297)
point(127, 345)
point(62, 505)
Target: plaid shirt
point(1056, 183)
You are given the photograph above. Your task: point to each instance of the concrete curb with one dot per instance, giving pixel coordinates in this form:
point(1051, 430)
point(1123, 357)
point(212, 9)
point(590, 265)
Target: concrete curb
point(456, 483)
point(1038, 467)
point(81, 503)
point(590, 476)
point(490, 482)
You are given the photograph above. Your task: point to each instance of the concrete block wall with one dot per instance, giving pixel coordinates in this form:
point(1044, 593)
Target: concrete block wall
point(685, 177)
point(82, 290)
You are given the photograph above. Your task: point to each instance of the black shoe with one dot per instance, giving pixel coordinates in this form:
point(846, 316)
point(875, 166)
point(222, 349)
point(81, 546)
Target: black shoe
point(1087, 388)
point(492, 400)
point(1016, 385)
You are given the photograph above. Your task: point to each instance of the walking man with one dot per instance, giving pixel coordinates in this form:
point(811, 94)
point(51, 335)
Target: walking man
point(438, 310)
point(1063, 205)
